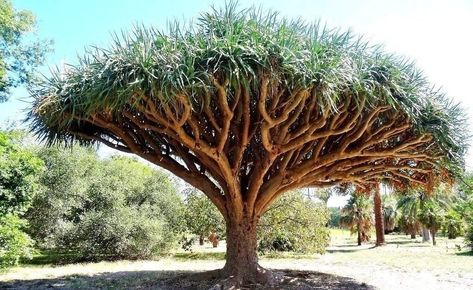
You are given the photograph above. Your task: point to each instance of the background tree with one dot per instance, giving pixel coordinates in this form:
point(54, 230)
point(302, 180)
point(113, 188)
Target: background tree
point(378, 215)
point(245, 106)
point(110, 209)
point(418, 207)
point(453, 225)
point(201, 216)
point(465, 205)
point(432, 215)
point(65, 183)
point(357, 215)
point(324, 194)
point(14, 242)
point(294, 223)
point(19, 168)
point(389, 213)
point(18, 57)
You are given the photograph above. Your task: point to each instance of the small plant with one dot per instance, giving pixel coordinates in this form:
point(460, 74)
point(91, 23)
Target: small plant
point(187, 242)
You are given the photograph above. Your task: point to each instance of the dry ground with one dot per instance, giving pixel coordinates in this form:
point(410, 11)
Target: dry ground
point(402, 264)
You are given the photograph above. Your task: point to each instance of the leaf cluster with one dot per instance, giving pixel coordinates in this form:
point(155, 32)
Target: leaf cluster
point(240, 46)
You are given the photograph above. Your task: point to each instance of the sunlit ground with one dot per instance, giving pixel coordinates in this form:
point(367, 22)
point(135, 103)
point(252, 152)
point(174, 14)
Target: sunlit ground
point(401, 264)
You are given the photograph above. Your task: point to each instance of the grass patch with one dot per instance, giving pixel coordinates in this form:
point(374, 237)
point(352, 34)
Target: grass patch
point(199, 256)
point(287, 255)
point(51, 257)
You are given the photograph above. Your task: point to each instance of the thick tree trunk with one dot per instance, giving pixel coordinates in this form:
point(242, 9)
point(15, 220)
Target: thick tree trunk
point(378, 218)
point(241, 256)
point(425, 235)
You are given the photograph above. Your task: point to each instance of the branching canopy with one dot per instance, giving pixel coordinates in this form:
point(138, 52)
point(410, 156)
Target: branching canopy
point(246, 105)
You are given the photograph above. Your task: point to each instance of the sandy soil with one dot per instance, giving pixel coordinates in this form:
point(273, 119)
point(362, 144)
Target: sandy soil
point(402, 264)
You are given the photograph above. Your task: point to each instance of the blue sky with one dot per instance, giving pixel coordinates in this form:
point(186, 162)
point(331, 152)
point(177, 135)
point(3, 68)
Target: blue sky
point(437, 34)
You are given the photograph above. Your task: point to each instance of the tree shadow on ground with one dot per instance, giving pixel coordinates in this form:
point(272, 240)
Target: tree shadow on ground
point(180, 280)
point(404, 242)
point(341, 250)
point(470, 253)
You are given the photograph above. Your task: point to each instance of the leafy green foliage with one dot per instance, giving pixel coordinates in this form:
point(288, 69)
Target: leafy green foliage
point(116, 208)
point(14, 243)
point(18, 56)
point(469, 234)
point(18, 175)
point(389, 212)
point(357, 215)
point(427, 209)
point(432, 215)
point(241, 46)
point(201, 216)
point(65, 182)
point(294, 223)
point(119, 233)
point(465, 205)
point(334, 221)
point(453, 225)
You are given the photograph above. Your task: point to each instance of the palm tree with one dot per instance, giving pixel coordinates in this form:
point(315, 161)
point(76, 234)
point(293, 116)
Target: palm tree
point(409, 206)
point(389, 215)
point(357, 216)
point(418, 208)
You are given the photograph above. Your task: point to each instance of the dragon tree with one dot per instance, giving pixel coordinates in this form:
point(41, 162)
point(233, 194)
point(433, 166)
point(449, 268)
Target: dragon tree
point(246, 105)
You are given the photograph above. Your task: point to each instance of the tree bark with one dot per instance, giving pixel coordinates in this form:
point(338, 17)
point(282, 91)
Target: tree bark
point(413, 236)
point(201, 240)
point(425, 234)
point(434, 242)
point(378, 218)
point(359, 233)
point(241, 256)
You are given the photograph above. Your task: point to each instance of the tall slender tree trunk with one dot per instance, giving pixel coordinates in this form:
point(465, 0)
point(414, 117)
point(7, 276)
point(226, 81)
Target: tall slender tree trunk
point(434, 242)
point(359, 233)
point(378, 217)
point(201, 240)
point(425, 234)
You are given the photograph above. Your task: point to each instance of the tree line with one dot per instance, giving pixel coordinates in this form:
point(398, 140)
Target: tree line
point(447, 210)
point(71, 202)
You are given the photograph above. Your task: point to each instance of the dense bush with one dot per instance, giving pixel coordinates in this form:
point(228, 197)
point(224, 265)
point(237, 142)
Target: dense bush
point(453, 225)
point(111, 209)
point(14, 243)
point(125, 232)
point(294, 223)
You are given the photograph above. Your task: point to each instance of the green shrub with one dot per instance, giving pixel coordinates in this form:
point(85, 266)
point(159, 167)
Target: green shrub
point(334, 220)
point(120, 233)
point(294, 223)
point(14, 243)
point(19, 169)
point(116, 208)
point(201, 215)
point(469, 236)
point(453, 225)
